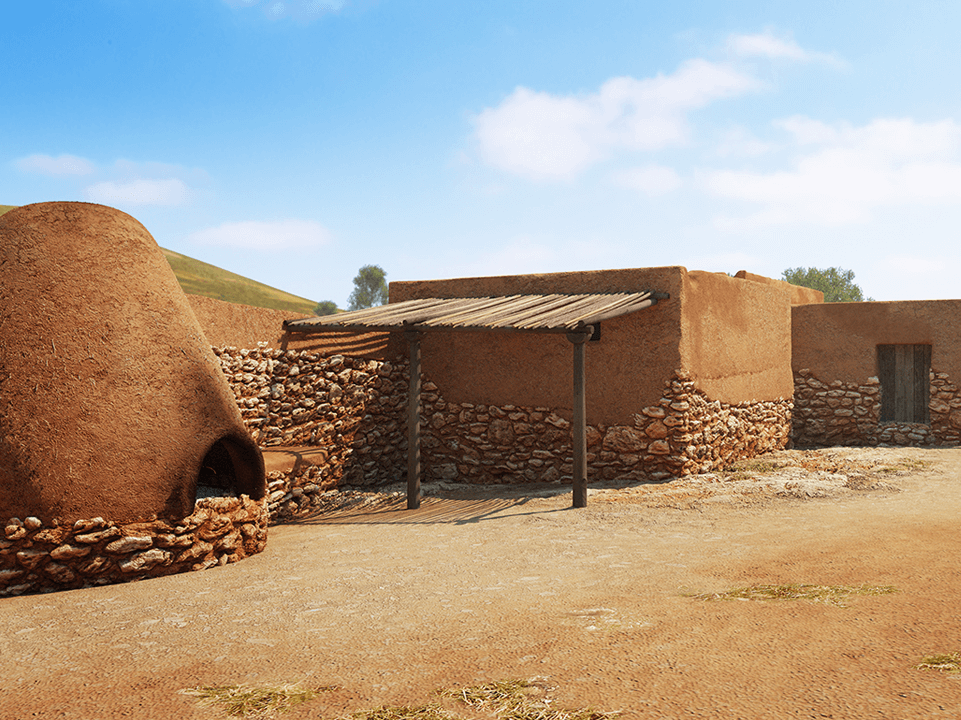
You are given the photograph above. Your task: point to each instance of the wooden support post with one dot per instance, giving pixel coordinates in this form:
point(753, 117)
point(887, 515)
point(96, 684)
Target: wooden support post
point(413, 422)
point(579, 428)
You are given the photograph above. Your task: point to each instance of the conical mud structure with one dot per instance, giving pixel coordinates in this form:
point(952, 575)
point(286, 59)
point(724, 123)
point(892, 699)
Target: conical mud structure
point(113, 410)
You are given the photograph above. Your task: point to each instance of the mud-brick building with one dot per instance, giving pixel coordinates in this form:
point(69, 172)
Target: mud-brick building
point(696, 380)
point(877, 372)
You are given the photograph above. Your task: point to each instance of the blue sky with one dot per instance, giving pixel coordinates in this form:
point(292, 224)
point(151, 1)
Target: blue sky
point(293, 141)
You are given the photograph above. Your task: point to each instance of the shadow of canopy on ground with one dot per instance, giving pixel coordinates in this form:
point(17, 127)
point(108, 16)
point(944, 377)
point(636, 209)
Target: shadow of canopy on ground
point(433, 510)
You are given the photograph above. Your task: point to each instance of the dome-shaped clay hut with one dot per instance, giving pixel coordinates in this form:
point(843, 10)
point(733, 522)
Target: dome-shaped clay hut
point(112, 404)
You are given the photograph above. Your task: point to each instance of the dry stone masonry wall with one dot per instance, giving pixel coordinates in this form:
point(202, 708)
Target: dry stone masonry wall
point(846, 413)
point(37, 557)
point(354, 411)
point(684, 433)
point(353, 408)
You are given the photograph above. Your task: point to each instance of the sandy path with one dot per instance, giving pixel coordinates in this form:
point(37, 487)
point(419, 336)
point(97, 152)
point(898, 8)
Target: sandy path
point(392, 605)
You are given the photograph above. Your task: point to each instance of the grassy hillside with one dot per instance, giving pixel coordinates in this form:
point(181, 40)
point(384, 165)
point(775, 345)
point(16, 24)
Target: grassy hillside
point(200, 278)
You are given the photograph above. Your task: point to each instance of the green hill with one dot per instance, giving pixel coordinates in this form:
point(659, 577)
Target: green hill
point(200, 278)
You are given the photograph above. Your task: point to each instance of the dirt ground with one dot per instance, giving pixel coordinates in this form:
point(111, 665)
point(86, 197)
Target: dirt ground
point(388, 606)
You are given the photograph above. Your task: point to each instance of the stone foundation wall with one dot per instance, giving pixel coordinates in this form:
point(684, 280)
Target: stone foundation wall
point(354, 412)
point(847, 413)
point(683, 434)
point(38, 557)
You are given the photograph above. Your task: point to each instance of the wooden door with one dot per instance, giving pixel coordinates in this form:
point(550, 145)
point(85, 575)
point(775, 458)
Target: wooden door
point(905, 384)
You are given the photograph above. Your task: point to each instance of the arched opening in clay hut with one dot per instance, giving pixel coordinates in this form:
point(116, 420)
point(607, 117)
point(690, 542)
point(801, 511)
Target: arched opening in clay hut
point(233, 466)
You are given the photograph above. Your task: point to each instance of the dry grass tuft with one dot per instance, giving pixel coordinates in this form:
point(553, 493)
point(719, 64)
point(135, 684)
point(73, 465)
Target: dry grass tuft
point(828, 594)
point(946, 663)
point(904, 466)
point(745, 469)
point(253, 702)
point(430, 711)
point(520, 700)
point(503, 700)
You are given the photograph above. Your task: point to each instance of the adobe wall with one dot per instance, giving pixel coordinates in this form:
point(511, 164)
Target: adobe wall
point(735, 337)
point(838, 341)
point(838, 395)
point(626, 369)
point(799, 295)
point(231, 325)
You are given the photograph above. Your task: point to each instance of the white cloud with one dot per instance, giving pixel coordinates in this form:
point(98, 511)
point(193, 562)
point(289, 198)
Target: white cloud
point(740, 142)
point(56, 166)
point(841, 173)
point(767, 45)
point(543, 136)
point(253, 235)
point(145, 183)
point(171, 191)
point(650, 179)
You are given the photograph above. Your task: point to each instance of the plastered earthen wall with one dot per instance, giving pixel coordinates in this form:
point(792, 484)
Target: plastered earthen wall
point(735, 337)
point(838, 341)
point(732, 337)
point(231, 325)
point(625, 370)
point(799, 295)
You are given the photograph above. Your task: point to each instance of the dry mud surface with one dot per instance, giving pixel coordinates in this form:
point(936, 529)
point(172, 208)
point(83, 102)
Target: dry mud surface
point(389, 605)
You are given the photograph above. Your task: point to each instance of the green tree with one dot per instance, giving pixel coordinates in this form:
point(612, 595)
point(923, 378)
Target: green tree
point(370, 288)
point(837, 284)
point(325, 307)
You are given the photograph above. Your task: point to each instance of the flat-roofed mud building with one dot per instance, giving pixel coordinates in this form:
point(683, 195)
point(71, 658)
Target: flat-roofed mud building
point(693, 382)
point(877, 372)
